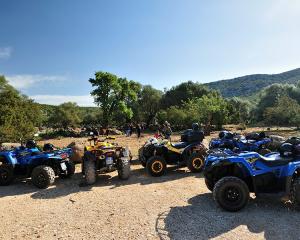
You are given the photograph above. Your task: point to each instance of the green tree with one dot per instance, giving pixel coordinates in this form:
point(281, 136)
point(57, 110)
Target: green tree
point(65, 115)
point(286, 112)
point(183, 92)
point(148, 104)
point(269, 97)
point(238, 110)
point(209, 109)
point(19, 115)
point(113, 94)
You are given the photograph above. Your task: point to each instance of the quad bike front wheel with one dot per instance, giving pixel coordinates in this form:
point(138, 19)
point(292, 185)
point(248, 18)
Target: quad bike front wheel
point(43, 176)
point(124, 169)
point(6, 174)
point(156, 166)
point(195, 162)
point(209, 184)
point(70, 170)
point(231, 193)
point(89, 168)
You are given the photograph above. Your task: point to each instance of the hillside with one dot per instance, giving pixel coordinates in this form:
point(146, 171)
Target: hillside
point(251, 84)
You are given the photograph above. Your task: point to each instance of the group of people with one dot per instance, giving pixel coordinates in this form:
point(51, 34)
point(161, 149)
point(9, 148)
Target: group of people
point(130, 128)
point(163, 130)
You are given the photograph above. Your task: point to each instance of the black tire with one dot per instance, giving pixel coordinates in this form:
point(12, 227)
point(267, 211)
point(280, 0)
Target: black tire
point(231, 193)
point(156, 166)
point(209, 184)
point(295, 192)
point(82, 167)
point(6, 174)
point(70, 170)
point(90, 168)
point(124, 169)
point(195, 162)
point(43, 176)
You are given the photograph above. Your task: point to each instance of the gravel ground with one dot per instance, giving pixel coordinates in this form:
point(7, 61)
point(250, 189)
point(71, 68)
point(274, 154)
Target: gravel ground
point(175, 206)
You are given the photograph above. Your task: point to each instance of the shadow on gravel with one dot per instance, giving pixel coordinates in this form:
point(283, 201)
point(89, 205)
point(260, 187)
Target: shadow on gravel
point(65, 187)
point(61, 187)
point(202, 219)
point(140, 176)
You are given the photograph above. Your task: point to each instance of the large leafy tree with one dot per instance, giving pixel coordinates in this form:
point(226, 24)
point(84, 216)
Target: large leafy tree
point(19, 115)
point(183, 92)
point(209, 109)
point(148, 104)
point(238, 110)
point(286, 112)
point(269, 97)
point(114, 94)
point(65, 115)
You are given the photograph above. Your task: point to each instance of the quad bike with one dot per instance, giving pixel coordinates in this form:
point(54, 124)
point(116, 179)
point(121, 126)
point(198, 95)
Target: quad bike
point(238, 143)
point(231, 177)
point(103, 157)
point(147, 150)
point(190, 152)
point(30, 162)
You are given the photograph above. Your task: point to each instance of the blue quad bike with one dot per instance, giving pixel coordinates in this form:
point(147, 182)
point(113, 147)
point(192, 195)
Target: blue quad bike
point(42, 167)
point(231, 177)
point(239, 143)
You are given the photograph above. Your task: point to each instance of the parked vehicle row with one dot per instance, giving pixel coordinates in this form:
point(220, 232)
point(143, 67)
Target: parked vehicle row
point(234, 165)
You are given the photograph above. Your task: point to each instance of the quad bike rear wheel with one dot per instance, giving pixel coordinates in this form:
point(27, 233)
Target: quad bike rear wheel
point(89, 168)
point(156, 166)
point(6, 174)
point(231, 193)
point(43, 176)
point(195, 162)
point(70, 170)
point(124, 170)
point(295, 192)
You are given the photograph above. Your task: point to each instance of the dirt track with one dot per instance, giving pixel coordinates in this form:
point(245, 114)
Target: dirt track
point(175, 206)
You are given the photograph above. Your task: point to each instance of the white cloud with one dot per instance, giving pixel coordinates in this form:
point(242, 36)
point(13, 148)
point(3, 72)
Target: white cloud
point(282, 10)
point(25, 81)
point(83, 100)
point(5, 52)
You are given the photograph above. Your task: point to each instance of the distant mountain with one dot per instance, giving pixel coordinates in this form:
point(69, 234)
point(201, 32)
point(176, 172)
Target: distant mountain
point(251, 84)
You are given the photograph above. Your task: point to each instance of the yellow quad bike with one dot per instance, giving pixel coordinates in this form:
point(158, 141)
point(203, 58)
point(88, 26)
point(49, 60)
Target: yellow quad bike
point(104, 157)
point(100, 143)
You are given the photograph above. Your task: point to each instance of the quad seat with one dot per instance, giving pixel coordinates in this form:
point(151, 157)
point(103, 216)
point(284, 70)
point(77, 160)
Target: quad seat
point(179, 145)
point(276, 160)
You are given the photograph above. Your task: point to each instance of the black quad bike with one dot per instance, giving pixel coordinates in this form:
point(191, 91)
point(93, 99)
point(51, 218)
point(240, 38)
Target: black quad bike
point(189, 152)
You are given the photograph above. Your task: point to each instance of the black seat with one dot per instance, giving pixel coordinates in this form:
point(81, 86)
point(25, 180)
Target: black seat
point(179, 145)
point(276, 160)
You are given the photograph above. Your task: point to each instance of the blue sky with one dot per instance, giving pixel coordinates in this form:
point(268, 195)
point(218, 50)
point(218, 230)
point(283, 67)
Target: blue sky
point(49, 49)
